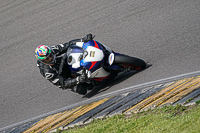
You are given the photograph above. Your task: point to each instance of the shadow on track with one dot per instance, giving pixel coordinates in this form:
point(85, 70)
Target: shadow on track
point(106, 85)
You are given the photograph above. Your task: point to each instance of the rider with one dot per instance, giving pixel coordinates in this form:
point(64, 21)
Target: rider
point(49, 60)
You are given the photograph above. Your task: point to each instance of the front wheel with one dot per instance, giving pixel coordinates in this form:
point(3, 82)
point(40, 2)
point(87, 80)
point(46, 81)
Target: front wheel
point(129, 62)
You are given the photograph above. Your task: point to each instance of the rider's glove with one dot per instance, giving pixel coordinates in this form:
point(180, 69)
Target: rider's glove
point(82, 78)
point(87, 38)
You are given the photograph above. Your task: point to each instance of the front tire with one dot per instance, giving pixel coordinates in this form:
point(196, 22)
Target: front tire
point(129, 62)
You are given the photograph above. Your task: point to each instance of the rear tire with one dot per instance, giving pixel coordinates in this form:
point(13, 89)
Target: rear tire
point(131, 62)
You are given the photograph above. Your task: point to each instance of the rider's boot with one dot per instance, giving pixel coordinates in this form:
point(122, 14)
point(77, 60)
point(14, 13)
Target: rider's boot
point(82, 88)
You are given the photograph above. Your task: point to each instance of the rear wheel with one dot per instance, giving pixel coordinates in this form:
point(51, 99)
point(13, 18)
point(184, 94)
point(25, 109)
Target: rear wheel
point(129, 62)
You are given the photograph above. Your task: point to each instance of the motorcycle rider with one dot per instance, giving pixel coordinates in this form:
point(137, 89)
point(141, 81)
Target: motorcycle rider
point(49, 60)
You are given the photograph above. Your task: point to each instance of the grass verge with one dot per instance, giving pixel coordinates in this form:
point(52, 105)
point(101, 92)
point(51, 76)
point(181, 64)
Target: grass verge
point(176, 119)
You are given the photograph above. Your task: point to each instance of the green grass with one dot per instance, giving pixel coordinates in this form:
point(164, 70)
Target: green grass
point(168, 119)
point(197, 102)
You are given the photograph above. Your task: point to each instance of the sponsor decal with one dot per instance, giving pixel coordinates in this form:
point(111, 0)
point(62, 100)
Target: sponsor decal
point(92, 53)
point(111, 58)
point(49, 75)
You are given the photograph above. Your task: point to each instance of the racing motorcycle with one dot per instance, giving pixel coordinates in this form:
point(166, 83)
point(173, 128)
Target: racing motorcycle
point(97, 61)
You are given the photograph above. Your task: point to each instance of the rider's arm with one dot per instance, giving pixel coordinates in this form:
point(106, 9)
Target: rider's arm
point(58, 80)
point(62, 48)
point(86, 38)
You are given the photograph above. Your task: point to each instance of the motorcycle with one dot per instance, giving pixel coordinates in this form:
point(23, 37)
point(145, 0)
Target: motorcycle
point(98, 61)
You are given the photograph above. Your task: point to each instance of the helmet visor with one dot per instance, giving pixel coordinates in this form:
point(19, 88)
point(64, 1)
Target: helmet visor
point(50, 59)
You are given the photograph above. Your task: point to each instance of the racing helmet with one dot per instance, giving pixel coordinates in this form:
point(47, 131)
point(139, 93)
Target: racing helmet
point(45, 54)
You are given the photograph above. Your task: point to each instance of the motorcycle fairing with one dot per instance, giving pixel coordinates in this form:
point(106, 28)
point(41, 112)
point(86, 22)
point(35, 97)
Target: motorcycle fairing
point(95, 57)
point(94, 44)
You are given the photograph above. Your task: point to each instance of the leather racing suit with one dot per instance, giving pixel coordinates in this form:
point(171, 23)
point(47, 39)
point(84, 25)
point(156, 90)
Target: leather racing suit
point(51, 72)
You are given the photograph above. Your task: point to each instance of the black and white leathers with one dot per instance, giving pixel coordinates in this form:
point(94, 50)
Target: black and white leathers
point(50, 72)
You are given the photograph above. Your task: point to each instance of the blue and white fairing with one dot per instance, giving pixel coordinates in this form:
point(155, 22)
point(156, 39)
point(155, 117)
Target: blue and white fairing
point(95, 56)
point(88, 55)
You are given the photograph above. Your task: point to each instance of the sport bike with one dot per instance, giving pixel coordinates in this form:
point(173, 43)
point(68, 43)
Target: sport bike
point(98, 61)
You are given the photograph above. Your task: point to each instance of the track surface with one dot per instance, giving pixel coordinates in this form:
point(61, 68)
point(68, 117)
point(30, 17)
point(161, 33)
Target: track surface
point(166, 33)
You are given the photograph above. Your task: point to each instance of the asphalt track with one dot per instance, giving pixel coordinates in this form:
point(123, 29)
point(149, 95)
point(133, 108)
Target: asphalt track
point(165, 33)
